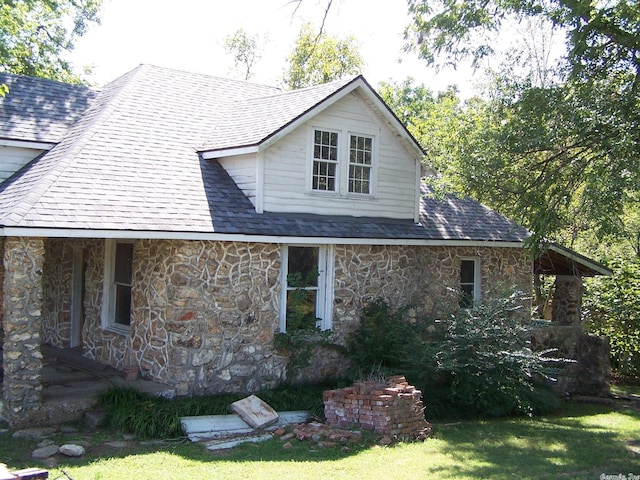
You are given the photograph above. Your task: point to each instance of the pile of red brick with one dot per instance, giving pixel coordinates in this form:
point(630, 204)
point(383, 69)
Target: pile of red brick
point(392, 408)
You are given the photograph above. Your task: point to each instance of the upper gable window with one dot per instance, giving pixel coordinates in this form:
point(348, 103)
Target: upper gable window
point(344, 167)
point(360, 163)
point(325, 161)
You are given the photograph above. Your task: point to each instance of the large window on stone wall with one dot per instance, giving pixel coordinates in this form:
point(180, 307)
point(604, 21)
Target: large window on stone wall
point(116, 307)
point(307, 293)
point(469, 282)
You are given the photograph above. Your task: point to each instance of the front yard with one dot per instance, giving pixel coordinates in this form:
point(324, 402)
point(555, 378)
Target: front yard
point(582, 442)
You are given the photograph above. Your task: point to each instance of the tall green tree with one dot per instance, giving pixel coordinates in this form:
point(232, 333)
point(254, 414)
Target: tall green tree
point(34, 34)
point(559, 156)
point(320, 58)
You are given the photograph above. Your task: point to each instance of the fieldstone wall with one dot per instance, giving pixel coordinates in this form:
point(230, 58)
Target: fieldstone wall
point(22, 308)
point(1, 293)
point(567, 300)
point(590, 371)
point(427, 278)
point(204, 313)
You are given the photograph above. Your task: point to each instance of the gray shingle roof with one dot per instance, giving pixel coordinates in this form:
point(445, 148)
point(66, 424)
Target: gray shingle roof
point(128, 160)
point(38, 110)
point(268, 115)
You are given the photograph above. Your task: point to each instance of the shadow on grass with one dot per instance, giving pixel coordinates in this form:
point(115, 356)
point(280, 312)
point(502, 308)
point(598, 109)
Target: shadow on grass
point(570, 445)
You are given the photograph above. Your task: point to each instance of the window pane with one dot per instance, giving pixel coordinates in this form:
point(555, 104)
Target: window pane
point(467, 271)
point(123, 305)
point(124, 263)
point(303, 267)
point(466, 297)
point(324, 176)
point(301, 309)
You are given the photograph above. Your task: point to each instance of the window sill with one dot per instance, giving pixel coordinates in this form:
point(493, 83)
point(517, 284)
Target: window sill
point(339, 196)
point(123, 330)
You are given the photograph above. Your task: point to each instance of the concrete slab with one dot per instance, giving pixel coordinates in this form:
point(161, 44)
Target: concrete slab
point(224, 444)
point(207, 427)
point(255, 412)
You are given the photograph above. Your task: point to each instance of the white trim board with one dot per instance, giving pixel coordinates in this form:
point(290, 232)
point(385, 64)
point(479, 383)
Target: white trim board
point(168, 235)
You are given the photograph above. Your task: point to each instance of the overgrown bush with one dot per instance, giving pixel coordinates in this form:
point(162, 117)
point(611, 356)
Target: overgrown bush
point(611, 307)
point(490, 367)
point(384, 342)
point(479, 365)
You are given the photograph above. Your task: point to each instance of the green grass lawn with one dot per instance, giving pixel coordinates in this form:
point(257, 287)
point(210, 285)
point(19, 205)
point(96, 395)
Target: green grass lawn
point(583, 441)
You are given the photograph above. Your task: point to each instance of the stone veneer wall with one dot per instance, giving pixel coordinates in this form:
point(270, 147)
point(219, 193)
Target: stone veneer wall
point(22, 308)
point(425, 277)
point(1, 292)
point(204, 313)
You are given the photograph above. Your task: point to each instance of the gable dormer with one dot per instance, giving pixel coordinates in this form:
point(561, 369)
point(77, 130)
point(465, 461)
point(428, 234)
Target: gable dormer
point(335, 149)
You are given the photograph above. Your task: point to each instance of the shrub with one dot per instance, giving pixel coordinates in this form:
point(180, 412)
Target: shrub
point(611, 307)
point(385, 343)
point(490, 368)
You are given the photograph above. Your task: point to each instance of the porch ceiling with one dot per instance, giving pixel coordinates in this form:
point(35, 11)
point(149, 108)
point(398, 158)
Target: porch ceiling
point(558, 260)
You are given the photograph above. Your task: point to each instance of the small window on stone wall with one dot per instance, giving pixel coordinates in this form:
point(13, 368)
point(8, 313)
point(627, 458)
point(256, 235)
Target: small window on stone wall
point(469, 282)
point(116, 307)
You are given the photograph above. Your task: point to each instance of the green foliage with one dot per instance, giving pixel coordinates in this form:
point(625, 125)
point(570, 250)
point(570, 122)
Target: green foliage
point(601, 38)
point(300, 344)
point(384, 341)
point(318, 58)
point(559, 156)
point(490, 367)
point(34, 34)
point(611, 307)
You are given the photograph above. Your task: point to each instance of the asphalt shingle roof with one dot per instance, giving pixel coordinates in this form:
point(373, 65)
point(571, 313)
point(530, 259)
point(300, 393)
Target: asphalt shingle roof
point(127, 160)
point(39, 110)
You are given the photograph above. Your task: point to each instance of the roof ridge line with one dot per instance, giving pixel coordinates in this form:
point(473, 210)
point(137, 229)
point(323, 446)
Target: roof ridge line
point(77, 142)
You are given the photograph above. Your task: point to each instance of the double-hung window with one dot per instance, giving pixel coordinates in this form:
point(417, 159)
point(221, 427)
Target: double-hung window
point(469, 282)
point(116, 306)
point(307, 294)
point(360, 164)
point(325, 161)
point(343, 167)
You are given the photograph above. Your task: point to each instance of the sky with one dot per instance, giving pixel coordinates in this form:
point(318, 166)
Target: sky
point(189, 35)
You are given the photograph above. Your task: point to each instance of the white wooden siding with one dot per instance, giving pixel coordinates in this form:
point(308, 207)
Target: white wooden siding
point(13, 159)
point(243, 168)
point(287, 168)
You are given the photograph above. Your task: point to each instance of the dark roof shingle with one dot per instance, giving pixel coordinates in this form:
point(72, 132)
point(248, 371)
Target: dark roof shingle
point(127, 159)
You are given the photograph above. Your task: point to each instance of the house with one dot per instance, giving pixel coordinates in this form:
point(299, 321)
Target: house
point(171, 220)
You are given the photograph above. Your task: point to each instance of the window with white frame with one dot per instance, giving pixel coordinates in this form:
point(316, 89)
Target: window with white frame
point(307, 295)
point(469, 282)
point(325, 161)
point(342, 167)
point(360, 164)
point(116, 306)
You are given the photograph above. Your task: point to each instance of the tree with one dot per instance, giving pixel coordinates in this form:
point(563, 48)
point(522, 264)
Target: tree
point(35, 33)
point(560, 156)
point(319, 58)
point(601, 37)
point(245, 51)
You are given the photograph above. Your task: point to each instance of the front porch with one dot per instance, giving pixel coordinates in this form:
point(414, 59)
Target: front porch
point(72, 383)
